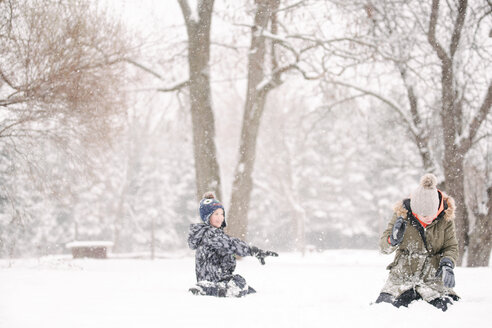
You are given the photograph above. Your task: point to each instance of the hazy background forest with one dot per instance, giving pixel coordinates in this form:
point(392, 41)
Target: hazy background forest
point(308, 118)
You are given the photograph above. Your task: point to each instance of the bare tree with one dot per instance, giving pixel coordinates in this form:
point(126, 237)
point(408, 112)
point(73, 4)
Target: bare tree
point(58, 62)
point(59, 77)
point(480, 205)
point(481, 237)
point(266, 68)
point(198, 22)
point(458, 139)
point(386, 43)
point(457, 92)
point(255, 104)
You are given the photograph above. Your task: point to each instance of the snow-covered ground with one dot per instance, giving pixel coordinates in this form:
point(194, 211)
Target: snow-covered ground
point(329, 289)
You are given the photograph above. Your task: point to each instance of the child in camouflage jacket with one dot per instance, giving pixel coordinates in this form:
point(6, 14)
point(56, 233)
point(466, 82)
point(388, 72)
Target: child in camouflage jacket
point(215, 259)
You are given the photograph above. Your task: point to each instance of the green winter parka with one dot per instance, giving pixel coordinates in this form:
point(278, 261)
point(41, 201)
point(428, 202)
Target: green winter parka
point(417, 257)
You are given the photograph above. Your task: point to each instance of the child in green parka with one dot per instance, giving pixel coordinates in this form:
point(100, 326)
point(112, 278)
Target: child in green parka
point(422, 233)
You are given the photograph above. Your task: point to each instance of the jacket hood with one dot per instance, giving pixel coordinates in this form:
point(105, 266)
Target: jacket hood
point(444, 200)
point(195, 236)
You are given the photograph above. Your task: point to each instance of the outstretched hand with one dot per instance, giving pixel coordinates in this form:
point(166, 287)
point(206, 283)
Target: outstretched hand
point(261, 254)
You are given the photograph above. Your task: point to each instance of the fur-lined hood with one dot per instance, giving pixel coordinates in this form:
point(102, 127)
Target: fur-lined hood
point(449, 206)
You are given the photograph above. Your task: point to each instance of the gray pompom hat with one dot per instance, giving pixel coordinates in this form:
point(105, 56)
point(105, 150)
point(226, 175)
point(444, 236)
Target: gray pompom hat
point(424, 200)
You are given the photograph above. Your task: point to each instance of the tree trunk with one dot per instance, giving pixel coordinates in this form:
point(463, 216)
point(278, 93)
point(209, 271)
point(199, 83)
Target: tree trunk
point(421, 138)
point(243, 180)
point(451, 117)
point(453, 172)
point(207, 173)
point(481, 238)
point(118, 220)
point(253, 110)
point(454, 156)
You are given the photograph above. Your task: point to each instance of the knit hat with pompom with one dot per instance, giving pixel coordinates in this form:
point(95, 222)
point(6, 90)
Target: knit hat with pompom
point(208, 205)
point(424, 200)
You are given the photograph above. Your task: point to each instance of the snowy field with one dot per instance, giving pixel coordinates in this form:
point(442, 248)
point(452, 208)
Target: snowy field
point(330, 289)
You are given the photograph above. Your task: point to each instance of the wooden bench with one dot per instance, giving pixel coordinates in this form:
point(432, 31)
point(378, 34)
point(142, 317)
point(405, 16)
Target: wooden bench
point(92, 249)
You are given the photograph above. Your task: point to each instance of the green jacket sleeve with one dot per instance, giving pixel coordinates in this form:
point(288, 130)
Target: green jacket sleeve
point(384, 246)
point(450, 245)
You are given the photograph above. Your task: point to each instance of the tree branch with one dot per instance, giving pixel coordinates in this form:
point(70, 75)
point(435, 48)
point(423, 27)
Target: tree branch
point(19, 122)
point(146, 69)
point(274, 30)
point(431, 34)
point(385, 100)
point(177, 87)
point(6, 80)
point(185, 8)
point(412, 99)
point(306, 76)
point(458, 26)
point(290, 6)
point(8, 102)
point(477, 120)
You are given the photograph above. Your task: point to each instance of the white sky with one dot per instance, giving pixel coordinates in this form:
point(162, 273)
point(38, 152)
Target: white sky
point(146, 15)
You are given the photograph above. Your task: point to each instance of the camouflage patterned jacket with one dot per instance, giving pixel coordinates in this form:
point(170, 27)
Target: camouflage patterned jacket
point(215, 252)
